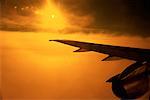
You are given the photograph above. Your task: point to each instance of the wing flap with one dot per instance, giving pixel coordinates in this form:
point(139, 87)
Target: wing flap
point(81, 50)
point(111, 58)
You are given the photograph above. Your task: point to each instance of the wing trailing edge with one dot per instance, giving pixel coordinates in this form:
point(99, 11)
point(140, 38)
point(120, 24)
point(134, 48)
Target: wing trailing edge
point(111, 58)
point(81, 50)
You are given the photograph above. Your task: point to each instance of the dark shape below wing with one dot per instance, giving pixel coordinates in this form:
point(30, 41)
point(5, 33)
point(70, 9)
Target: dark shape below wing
point(130, 69)
point(132, 84)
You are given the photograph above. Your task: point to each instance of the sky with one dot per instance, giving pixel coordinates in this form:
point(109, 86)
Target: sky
point(34, 68)
point(120, 17)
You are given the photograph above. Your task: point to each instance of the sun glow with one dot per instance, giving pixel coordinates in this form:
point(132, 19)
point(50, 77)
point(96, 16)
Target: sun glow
point(51, 17)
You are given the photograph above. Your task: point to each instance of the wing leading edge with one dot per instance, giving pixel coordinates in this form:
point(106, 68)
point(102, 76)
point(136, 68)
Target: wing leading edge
point(114, 52)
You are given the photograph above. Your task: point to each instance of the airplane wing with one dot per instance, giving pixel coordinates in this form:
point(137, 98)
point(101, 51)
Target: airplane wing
point(113, 52)
point(133, 77)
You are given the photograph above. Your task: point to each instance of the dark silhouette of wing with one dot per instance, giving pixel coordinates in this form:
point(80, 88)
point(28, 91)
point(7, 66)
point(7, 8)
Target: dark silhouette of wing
point(114, 52)
point(133, 82)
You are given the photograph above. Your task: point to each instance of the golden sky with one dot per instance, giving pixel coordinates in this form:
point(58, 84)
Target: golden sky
point(34, 68)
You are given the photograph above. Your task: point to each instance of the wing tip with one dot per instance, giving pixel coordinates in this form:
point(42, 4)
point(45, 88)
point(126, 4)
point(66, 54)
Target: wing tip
point(53, 40)
point(57, 40)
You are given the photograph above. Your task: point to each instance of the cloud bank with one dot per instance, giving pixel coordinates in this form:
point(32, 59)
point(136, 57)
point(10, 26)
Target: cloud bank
point(118, 17)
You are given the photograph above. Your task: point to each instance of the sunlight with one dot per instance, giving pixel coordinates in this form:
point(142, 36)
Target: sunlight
point(50, 17)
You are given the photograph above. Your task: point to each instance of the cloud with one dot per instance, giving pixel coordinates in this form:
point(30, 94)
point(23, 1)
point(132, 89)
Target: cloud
point(17, 15)
point(118, 17)
point(124, 17)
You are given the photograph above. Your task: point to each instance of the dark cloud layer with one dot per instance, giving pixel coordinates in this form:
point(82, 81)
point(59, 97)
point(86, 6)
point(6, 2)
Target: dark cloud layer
point(124, 17)
point(120, 16)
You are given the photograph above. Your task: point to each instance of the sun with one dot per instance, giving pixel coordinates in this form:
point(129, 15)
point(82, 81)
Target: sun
point(51, 17)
